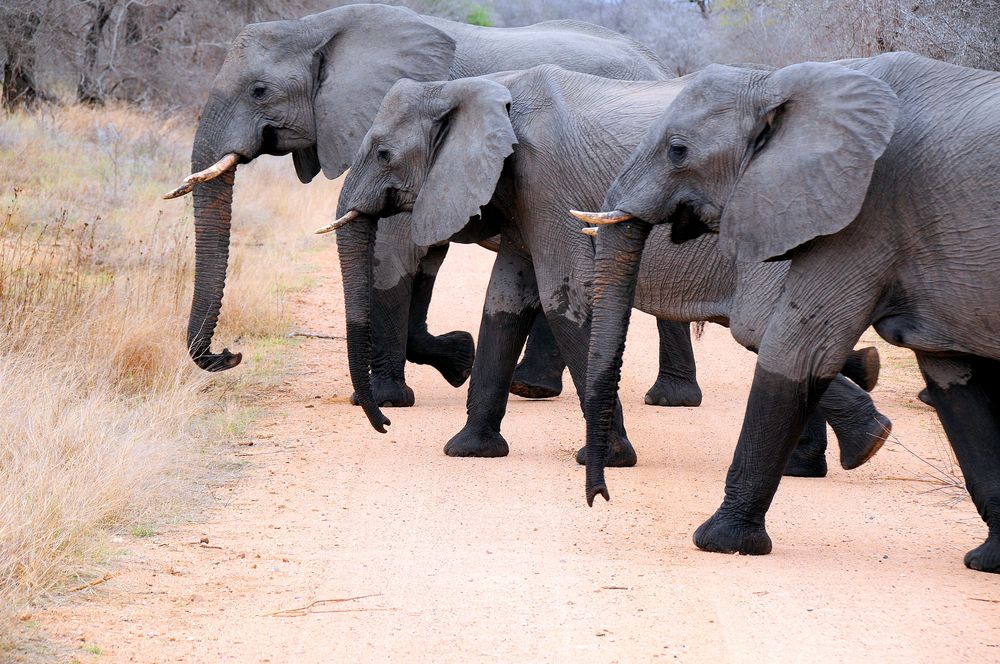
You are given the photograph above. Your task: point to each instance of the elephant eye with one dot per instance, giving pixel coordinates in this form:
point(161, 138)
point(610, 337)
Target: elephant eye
point(677, 152)
point(258, 90)
point(383, 155)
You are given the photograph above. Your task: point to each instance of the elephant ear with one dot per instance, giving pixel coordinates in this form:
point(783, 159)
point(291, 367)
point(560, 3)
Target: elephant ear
point(369, 48)
point(472, 136)
point(809, 160)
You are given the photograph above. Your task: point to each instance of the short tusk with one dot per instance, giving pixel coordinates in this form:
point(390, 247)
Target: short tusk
point(210, 173)
point(602, 218)
point(589, 230)
point(343, 221)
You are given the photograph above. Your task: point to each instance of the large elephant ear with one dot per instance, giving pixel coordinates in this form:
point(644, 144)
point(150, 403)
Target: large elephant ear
point(369, 48)
point(472, 138)
point(812, 154)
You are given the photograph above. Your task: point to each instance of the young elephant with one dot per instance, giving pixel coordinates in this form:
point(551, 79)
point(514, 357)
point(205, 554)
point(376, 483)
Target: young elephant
point(446, 152)
point(878, 178)
point(309, 87)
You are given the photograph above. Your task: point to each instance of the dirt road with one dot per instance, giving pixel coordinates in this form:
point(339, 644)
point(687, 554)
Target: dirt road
point(456, 560)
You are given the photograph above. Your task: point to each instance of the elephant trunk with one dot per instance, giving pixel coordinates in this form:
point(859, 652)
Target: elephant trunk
point(619, 250)
point(213, 203)
point(356, 247)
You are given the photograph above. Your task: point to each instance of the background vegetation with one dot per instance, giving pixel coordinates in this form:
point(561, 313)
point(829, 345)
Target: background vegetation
point(165, 52)
point(106, 425)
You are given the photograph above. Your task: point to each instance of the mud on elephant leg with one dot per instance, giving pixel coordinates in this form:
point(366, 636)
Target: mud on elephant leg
point(510, 308)
point(539, 374)
point(451, 353)
point(677, 382)
point(966, 393)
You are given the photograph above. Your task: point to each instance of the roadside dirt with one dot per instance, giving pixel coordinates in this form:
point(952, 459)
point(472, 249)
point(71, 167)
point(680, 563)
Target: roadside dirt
point(501, 560)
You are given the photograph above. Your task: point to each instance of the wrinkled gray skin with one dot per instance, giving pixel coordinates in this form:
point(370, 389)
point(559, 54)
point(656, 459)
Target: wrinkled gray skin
point(878, 179)
point(514, 151)
point(310, 87)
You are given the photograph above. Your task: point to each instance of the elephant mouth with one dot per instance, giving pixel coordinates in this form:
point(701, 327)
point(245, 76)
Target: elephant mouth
point(687, 222)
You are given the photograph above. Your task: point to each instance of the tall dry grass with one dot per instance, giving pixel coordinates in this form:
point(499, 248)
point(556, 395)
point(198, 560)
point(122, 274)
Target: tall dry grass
point(104, 421)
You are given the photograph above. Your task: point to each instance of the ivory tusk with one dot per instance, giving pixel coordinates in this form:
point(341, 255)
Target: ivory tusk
point(602, 218)
point(589, 230)
point(210, 173)
point(343, 221)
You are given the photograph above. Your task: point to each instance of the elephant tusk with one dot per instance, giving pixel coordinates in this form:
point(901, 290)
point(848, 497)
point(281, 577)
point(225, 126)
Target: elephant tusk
point(343, 221)
point(210, 173)
point(589, 230)
point(602, 218)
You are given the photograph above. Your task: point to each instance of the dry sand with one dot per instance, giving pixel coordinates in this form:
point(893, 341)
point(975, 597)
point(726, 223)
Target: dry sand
point(459, 560)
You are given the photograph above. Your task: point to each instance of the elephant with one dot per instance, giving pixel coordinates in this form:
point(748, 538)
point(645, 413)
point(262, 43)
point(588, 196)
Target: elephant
point(310, 87)
point(877, 180)
point(506, 153)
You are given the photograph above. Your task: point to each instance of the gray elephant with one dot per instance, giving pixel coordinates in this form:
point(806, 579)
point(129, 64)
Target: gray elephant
point(878, 179)
point(508, 153)
point(310, 87)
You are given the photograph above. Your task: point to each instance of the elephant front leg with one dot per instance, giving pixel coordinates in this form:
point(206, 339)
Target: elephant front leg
point(389, 324)
point(510, 308)
point(966, 394)
point(776, 414)
point(677, 381)
point(539, 374)
point(451, 353)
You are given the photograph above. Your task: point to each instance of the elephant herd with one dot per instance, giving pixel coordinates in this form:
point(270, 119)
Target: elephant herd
point(796, 206)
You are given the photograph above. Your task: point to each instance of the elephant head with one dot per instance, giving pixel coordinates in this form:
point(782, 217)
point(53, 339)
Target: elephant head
point(308, 87)
point(770, 160)
point(436, 150)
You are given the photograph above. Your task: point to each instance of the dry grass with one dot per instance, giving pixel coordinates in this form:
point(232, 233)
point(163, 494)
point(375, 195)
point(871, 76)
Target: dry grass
point(105, 421)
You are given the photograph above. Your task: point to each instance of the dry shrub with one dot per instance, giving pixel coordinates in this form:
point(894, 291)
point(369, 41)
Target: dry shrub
point(105, 418)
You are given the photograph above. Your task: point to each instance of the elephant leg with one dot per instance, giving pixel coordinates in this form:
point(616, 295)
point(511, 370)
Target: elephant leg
point(863, 368)
point(574, 344)
point(809, 456)
point(966, 394)
point(509, 311)
point(396, 264)
point(677, 382)
point(451, 353)
point(800, 355)
point(861, 430)
point(539, 374)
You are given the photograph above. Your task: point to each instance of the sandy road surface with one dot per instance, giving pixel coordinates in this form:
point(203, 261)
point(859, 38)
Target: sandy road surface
point(501, 560)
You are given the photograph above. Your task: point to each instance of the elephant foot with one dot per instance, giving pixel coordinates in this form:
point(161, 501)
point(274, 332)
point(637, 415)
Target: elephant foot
point(925, 397)
point(389, 392)
point(986, 556)
point(669, 391)
point(451, 354)
point(863, 367)
point(477, 442)
point(804, 463)
point(724, 533)
point(621, 454)
point(861, 443)
point(532, 381)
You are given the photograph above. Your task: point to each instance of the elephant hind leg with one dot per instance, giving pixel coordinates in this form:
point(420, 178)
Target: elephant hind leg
point(863, 366)
point(539, 374)
point(966, 394)
point(809, 457)
point(677, 381)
